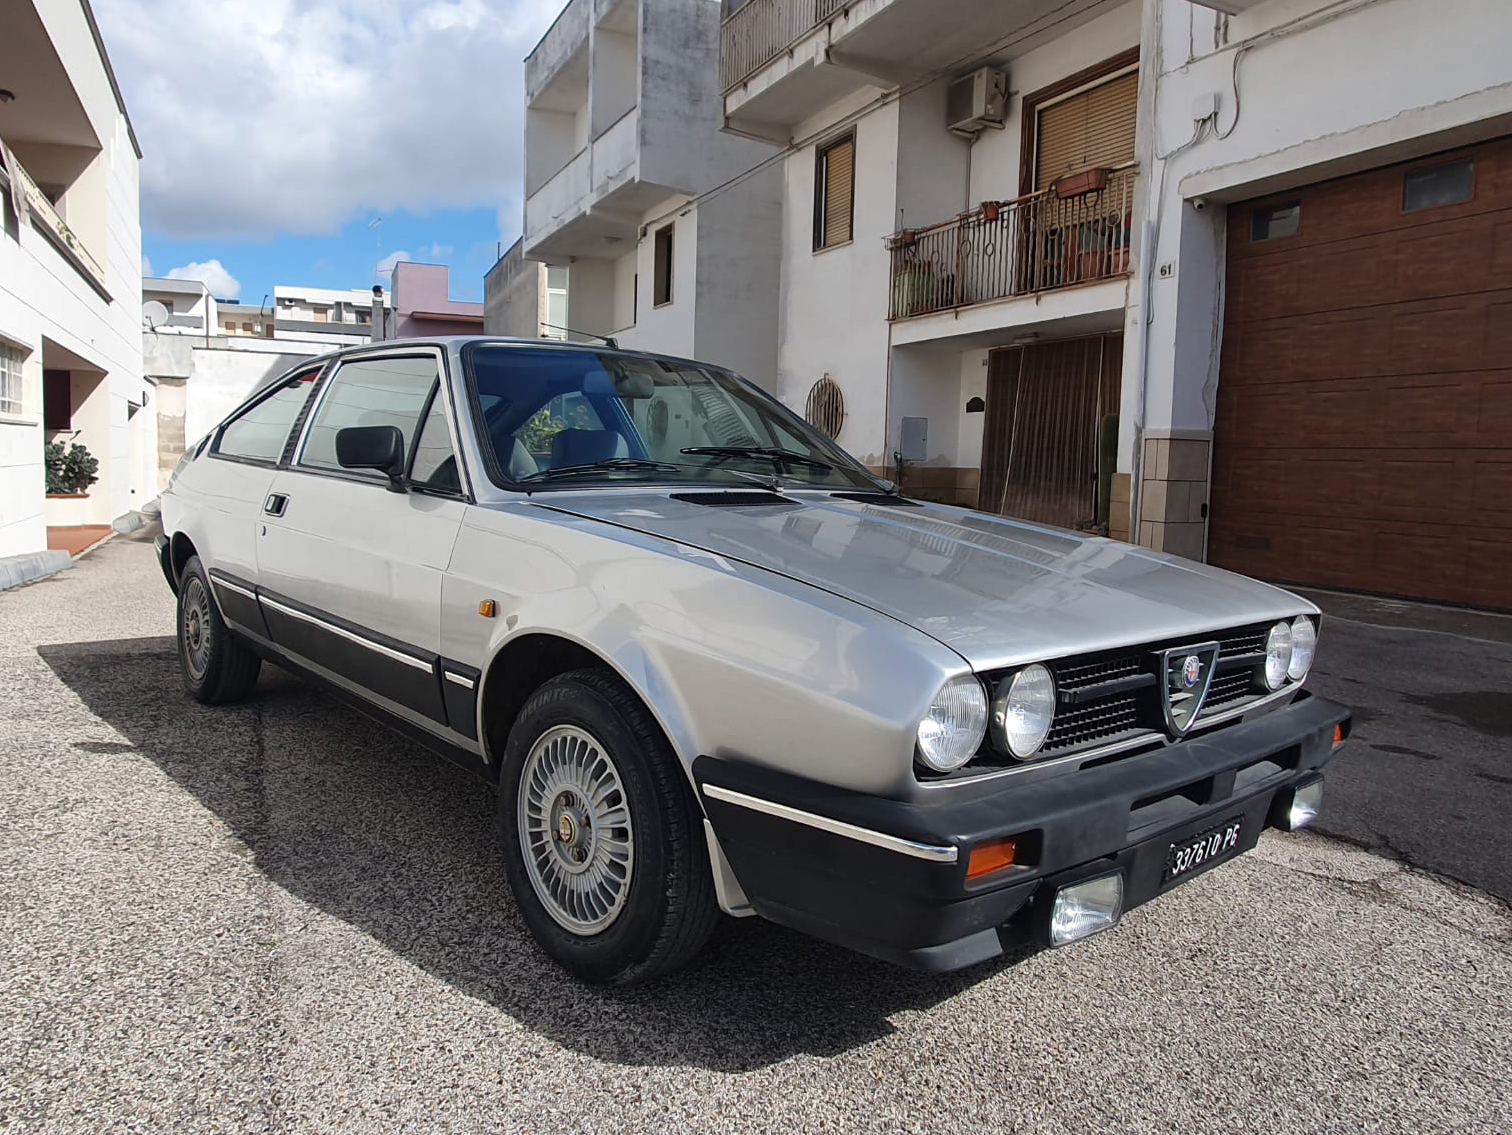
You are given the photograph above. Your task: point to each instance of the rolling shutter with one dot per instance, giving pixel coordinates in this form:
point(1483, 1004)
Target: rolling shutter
point(1089, 130)
point(839, 183)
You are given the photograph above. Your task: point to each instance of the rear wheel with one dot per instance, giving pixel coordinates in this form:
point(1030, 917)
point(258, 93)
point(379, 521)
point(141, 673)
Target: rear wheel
point(603, 841)
point(216, 666)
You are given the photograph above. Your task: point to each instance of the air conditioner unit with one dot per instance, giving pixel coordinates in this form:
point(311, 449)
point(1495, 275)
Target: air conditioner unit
point(977, 100)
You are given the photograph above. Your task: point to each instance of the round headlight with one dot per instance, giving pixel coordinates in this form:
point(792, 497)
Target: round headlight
point(1022, 711)
point(1278, 655)
point(1304, 634)
point(952, 730)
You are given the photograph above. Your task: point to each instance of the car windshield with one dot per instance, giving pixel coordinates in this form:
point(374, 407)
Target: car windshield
point(567, 416)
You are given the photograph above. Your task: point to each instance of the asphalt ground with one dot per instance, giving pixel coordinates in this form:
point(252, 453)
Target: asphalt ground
point(281, 917)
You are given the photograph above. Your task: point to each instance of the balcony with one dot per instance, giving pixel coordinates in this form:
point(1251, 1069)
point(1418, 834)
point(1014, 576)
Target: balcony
point(1077, 232)
point(781, 60)
point(46, 219)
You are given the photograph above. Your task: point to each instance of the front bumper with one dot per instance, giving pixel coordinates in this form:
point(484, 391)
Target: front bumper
point(889, 878)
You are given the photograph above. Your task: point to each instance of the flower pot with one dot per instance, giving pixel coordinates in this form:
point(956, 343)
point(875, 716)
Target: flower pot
point(990, 210)
point(1077, 184)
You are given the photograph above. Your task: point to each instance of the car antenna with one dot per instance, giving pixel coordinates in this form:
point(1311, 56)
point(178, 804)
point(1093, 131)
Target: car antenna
point(608, 340)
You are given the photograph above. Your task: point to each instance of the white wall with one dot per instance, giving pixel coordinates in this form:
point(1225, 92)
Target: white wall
point(625, 291)
point(670, 327)
point(221, 378)
point(1417, 80)
point(740, 277)
point(834, 303)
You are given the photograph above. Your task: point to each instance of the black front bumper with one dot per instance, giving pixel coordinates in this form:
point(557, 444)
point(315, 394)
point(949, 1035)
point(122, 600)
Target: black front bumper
point(820, 873)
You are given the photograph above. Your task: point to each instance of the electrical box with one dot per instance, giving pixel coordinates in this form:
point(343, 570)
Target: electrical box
point(977, 100)
point(913, 439)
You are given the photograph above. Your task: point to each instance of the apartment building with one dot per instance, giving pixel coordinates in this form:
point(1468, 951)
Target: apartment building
point(524, 298)
point(1224, 278)
point(337, 317)
point(70, 278)
point(666, 225)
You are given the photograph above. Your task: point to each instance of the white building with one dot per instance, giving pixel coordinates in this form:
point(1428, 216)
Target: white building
point(665, 224)
point(525, 298)
point(337, 317)
point(70, 276)
point(1232, 268)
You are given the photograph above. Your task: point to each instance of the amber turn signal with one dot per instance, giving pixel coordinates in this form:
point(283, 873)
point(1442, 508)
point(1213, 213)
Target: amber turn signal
point(1338, 735)
point(991, 855)
point(486, 608)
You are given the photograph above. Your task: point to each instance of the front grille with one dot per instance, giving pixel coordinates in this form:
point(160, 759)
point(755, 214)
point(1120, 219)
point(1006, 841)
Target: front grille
point(1086, 718)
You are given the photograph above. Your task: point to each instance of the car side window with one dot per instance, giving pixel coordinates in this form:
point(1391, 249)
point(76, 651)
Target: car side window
point(260, 432)
point(434, 465)
point(368, 392)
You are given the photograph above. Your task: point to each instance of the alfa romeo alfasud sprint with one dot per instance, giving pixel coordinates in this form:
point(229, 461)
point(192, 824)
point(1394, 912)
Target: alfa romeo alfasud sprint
point(712, 664)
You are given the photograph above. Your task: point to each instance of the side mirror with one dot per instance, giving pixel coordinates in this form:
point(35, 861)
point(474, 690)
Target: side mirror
point(373, 447)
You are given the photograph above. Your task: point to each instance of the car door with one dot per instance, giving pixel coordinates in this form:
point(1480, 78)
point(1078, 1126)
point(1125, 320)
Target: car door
point(230, 485)
point(350, 569)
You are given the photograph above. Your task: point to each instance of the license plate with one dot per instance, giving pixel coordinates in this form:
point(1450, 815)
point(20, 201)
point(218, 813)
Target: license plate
point(1216, 843)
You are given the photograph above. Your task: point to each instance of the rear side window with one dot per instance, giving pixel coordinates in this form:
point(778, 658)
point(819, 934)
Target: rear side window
point(260, 432)
point(369, 392)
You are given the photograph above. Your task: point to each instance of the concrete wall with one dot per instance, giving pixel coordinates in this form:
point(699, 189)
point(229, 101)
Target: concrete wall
point(513, 296)
point(740, 277)
point(1417, 80)
point(422, 290)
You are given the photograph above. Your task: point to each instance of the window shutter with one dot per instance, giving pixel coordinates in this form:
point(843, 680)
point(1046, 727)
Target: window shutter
point(839, 191)
point(1089, 130)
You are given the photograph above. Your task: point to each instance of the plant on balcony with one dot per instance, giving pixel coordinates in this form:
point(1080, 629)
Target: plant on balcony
point(71, 469)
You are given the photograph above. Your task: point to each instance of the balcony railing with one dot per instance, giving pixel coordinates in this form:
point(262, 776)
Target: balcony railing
point(761, 30)
point(1073, 233)
point(42, 211)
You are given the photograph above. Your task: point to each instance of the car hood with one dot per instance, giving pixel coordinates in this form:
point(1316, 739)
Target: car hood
point(997, 591)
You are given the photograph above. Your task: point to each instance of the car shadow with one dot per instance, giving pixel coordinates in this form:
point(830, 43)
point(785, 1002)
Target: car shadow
point(375, 830)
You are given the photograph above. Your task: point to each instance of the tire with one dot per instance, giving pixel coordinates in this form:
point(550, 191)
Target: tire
point(641, 902)
point(217, 667)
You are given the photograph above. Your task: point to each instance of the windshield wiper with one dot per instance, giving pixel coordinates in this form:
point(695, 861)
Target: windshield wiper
point(778, 457)
point(609, 463)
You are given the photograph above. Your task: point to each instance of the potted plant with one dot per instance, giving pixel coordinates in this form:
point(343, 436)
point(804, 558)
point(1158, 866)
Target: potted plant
point(71, 470)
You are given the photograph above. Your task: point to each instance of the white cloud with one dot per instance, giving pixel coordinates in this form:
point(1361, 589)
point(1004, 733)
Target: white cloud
point(291, 117)
point(440, 252)
point(386, 265)
point(146, 266)
point(211, 273)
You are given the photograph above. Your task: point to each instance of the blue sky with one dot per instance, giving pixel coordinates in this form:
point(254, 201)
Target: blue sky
point(465, 239)
point(273, 133)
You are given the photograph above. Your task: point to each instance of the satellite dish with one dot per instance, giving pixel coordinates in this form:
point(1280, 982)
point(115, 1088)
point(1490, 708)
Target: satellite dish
point(154, 314)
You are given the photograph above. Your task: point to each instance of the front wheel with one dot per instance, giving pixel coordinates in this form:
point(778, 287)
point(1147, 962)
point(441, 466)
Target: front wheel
point(603, 842)
point(217, 667)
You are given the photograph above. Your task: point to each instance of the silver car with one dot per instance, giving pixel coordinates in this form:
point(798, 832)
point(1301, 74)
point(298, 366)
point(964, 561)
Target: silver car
point(712, 664)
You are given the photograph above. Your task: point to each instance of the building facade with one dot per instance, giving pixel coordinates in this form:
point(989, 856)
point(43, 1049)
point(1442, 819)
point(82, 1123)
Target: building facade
point(70, 278)
point(423, 303)
point(525, 298)
point(1167, 270)
point(666, 225)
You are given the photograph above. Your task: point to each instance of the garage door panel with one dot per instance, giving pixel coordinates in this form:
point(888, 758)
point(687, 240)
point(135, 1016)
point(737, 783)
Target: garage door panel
point(1444, 260)
point(1345, 345)
point(1363, 430)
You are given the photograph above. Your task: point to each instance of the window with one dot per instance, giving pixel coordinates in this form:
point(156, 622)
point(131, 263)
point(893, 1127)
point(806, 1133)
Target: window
point(834, 192)
point(663, 282)
point(434, 464)
point(230, 327)
point(369, 392)
point(12, 393)
point(1431, 188)
point(1091, 129)
point(246, 328)
point(322, 315)
point(261, 431)
point(1273, 221)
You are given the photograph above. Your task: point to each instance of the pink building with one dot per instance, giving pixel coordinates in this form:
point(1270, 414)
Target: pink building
point(422, 303)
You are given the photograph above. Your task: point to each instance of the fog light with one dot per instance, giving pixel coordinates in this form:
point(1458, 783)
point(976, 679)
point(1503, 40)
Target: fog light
point(1307, 802)
point(1082, 909)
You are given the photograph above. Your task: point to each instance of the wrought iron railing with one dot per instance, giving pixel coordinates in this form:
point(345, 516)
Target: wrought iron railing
point(760, 30)
point(1074, 233)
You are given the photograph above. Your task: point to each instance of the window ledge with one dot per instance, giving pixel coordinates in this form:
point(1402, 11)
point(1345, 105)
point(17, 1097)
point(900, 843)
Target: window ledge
point(833, 247)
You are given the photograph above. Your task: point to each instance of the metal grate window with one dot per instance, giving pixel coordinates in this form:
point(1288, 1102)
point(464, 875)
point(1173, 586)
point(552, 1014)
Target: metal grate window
point(826, 406)
point(12, 392)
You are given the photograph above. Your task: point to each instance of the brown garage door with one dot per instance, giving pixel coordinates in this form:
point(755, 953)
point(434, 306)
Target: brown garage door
point(1364, 424)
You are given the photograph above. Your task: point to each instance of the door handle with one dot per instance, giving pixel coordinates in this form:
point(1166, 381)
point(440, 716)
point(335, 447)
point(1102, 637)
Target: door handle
point(275, 504)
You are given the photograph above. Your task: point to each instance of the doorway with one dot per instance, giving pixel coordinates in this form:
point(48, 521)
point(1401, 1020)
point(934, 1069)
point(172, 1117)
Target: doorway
point(1048, 406)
